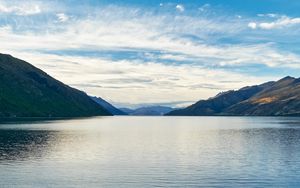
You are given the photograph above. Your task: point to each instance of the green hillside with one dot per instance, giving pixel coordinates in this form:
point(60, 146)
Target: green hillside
point(26, 91)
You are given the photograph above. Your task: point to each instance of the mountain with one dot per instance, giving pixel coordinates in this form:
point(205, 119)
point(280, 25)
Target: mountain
point(26, 91)
point(278, 98)
point(128, 111)
point(113, 110)
point(282, 98)
point(148, 111)
point(220, 102)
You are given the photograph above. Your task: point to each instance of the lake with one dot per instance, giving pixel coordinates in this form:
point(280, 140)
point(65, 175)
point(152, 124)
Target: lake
point(152, 152)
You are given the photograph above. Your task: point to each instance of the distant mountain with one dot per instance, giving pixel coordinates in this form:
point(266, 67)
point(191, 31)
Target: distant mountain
point(127, 110)
point(280, 98)
point(26, 91)
point(113, 110)
point(148, 111)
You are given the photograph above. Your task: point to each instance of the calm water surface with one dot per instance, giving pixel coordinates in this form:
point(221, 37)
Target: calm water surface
point(152, 152)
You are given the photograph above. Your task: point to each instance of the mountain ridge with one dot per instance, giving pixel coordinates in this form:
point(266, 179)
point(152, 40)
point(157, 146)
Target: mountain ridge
point(279, 98)
point(109, 107)
point(148, 111)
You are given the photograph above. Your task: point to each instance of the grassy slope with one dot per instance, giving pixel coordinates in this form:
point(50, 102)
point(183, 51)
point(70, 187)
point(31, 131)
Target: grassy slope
point(281, 99)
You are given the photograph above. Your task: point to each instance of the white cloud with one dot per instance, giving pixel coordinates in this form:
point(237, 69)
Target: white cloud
point(174, 57)
point(252, 25)
point(284, 21)
point(180, 8)
point(271, 15)
point(4, 30)
point(20, 9)
point(62, 17)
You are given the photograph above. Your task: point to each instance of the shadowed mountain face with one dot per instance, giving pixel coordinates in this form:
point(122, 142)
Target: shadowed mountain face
point(113, 110)
point(26, 91)
point(279, 98)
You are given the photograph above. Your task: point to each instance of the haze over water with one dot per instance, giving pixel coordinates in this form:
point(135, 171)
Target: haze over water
point(152, 152)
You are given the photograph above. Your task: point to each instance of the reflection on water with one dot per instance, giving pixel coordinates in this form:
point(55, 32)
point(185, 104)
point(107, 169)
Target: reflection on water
point(24, 144)
point(152, 152)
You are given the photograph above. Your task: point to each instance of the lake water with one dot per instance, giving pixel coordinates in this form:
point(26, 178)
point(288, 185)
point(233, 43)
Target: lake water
point(152, 152)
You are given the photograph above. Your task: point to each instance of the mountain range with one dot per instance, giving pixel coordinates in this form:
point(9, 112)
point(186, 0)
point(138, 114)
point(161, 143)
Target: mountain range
point(26, 91)
point(279, 98)
point(148, 111)
point(109, 107)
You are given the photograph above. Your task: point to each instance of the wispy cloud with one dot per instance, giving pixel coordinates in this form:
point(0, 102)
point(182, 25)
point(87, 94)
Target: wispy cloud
point(283, 21)
point(21, 8)
point(151, 33)
point(204, 7)
point(271, 15)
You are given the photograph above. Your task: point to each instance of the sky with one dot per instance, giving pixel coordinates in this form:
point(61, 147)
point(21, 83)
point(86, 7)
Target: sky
point(172, 53)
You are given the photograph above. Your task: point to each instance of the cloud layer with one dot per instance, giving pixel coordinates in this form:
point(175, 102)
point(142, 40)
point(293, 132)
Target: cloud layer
point(137, 55)
point(21, 9)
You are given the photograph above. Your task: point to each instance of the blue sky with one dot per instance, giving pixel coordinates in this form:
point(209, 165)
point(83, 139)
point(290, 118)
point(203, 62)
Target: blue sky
point(155, 52)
